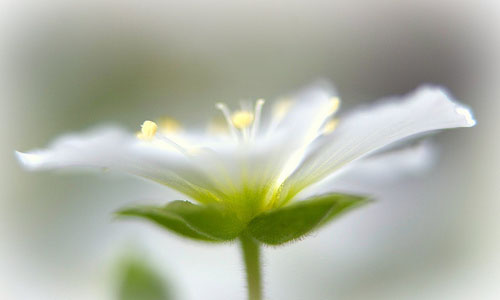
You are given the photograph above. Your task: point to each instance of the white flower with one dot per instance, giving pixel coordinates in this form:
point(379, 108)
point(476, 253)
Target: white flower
point(261, 158)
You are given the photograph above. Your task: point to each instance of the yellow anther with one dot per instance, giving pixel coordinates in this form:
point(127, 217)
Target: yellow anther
point(148, 130)
point(242, 119)
point(281, 108)
point(217, 126)
point(169, 125)
point(334, 105)
point(330, 126)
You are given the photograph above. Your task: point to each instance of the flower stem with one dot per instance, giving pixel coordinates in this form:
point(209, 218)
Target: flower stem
point(251, 255)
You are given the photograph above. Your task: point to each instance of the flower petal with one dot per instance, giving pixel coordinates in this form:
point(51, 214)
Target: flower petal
point(115, 149)
point(293, 127)
point(367, 174)
point(364, 131)
point(307, 113)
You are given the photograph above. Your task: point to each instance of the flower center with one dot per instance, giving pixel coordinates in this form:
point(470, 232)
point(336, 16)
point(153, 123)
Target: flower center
point(243, 124)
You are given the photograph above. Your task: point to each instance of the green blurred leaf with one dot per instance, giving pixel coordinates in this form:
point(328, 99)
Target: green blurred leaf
point(201, 222)
point(293, 221)
point(139, 281)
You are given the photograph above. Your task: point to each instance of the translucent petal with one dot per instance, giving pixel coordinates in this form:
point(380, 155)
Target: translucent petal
point(115, 149)
point(301, 123)
point(368, 174)
point(306, 114)
point(369, 129)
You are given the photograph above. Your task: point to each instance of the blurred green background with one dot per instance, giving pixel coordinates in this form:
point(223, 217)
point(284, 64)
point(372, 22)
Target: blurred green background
point(68, 66)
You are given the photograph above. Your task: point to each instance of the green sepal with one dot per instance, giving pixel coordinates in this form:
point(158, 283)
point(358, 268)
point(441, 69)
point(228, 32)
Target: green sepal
point(296, 220)
point(210, 223)
point(344, 203)
point(165, 219)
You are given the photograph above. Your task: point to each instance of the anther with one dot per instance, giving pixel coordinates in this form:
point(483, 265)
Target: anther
point(330, 126)
point(169, 125)
point(227, 115)
point(334, 105)
point(242, 119)
point(281, 108)
point(257, 113)
point(148, 130)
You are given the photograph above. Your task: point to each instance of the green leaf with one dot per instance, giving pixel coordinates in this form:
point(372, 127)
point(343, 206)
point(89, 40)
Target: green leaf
point(139, 281)
point(293, 221)
point(165, 219)
point(201, 222)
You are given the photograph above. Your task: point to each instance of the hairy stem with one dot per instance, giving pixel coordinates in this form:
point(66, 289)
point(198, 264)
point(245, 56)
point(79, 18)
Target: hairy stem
point(251, 255)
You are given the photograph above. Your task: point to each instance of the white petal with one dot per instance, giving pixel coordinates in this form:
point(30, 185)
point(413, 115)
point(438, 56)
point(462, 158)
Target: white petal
point(309, 109)
point(368, 174)
point(392, 165)
point(247, 173)
point(364, 131)
point(115, 149)
point(257, 165)
point(88, 149)
point(300, 125)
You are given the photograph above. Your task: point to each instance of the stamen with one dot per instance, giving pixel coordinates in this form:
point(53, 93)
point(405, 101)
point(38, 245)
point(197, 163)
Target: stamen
point(330, 126)
point(217, 127)
point(242, 119)
point(169, 125)
point(317, 127)
point(227, 115)
point(173, 144)
point(281, 108)
point(258, 113)
point(148, 130)
point(334, 105)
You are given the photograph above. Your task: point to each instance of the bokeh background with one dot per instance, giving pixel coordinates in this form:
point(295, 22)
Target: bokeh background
point(70, 65)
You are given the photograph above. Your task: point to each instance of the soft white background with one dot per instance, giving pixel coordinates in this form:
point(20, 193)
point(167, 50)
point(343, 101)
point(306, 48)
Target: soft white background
point(69, 65)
